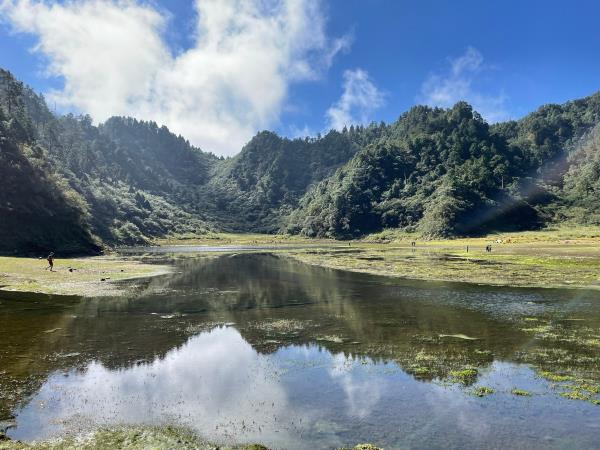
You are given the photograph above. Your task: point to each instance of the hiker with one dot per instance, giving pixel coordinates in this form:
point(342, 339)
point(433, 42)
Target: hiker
point(50, 259)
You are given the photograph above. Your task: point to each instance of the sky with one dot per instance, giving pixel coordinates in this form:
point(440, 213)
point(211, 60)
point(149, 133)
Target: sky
point(218, 71)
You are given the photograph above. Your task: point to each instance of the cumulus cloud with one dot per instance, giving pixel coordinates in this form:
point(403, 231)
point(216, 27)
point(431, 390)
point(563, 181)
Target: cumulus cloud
point(232, 81)
point(458, 84)
point(358, 101)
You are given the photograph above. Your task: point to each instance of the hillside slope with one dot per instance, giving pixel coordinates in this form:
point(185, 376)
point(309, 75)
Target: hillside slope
point(257, 188)
point(446, 172)
point(39, 213)
point(442, 172)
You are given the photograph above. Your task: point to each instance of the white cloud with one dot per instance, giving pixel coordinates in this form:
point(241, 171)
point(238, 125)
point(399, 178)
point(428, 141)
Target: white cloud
point(233, 81)
point(457, 84)
point(358, 101)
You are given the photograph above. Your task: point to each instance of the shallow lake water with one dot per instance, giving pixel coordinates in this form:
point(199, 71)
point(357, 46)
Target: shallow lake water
point(260, 348)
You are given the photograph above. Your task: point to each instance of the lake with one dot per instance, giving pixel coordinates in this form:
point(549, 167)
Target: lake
point(255, 347)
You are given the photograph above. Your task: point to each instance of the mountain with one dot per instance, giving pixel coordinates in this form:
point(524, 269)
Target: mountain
point(442, 172)
point(136, 180)
point(38, 211)
point(260, 186)
point(580, 199)
point(446, 172)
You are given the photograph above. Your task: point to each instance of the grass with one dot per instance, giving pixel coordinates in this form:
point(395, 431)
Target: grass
point(554, 257)
point(84, 278)
point(561, 257)
point(551, 258)
point(238, 239)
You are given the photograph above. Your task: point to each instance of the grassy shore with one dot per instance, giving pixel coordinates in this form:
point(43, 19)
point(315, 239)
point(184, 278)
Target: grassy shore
point(241, 239)
point(552, 258)
point(89, 277)
point(560, 257)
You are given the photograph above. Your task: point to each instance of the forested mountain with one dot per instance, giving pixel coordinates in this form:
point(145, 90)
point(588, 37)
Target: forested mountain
point(136, 180)
point(260, 186)
point(443, 172)
point(38, 211)
point(446, 172)
point(580, 196)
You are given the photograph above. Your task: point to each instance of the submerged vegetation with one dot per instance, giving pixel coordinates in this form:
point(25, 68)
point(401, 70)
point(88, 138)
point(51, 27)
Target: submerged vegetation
point(471, 343)
point(520, 393)
point(138, 438)
point(128, 438)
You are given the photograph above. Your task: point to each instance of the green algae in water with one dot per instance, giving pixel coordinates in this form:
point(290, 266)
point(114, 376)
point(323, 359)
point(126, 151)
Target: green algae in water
point(483, 391)
point(555, 377)
point(279, 308)
point(128, 438)
point(464, 376)
point(521, 393)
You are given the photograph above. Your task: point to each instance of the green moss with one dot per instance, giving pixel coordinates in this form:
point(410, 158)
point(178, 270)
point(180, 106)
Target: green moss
point(555, 377)
point(482, 391)
point(465, 376)
point(521, 393)
point(421, 371)
point(576, 394)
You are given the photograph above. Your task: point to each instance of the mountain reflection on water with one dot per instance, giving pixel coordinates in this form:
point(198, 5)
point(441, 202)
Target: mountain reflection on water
point(258, 348)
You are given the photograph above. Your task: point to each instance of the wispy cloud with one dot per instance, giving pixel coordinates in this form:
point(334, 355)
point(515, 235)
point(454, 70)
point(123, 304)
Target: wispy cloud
point(358, 101)
point(234, 80)
point(458, 84)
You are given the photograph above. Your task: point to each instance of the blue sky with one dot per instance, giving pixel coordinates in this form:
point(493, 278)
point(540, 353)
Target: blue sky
point(298, 66)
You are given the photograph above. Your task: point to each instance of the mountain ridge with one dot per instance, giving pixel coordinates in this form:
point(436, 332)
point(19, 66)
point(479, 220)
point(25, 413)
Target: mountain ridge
point(442, 172)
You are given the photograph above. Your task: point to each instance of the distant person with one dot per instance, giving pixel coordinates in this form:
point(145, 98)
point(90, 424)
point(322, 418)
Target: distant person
point(50, 260)
point(413, 243)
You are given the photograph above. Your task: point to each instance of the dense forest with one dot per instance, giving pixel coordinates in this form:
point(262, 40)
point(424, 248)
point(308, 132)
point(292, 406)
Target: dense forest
point(72, 186)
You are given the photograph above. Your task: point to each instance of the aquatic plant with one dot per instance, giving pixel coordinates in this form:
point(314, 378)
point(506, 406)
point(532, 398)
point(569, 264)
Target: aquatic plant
point(464, 376)
point(521, 393)
point(482, 391)
point(555, 377)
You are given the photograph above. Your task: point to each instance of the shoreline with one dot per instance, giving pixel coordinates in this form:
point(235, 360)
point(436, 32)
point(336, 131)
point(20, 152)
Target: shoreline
point(91, 276)
point(563, 258)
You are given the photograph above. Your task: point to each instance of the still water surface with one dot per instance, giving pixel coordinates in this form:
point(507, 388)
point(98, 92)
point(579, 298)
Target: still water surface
point(259, 348)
